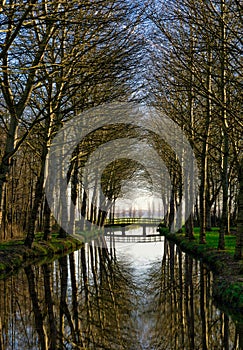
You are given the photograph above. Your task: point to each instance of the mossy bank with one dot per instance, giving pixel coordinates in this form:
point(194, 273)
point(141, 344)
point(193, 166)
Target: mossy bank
point(228, 273)
point(14, 254)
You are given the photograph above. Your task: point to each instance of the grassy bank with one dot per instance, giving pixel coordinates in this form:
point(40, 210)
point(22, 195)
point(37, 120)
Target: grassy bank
point(228, 273)
point(13, 254)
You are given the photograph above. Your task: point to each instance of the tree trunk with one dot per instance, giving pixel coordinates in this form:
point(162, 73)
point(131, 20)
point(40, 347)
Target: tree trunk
point(208, 211)
point(239, 231)
point(47, 221)
point(5, 164)
point(172, 210)
point(190, 228)
point(189, 225)
point(1, 335)
point(225, 155)
point(83, 210)
point(74, 192)
point(204, 156)
point(37, 200)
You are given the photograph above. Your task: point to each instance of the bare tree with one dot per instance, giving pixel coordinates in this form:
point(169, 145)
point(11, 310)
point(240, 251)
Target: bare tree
point(196, 63)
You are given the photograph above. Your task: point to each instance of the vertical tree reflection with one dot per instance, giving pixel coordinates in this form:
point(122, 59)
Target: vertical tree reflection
point(86, 306)
point(239, 334)
point(38, 314)
point(92, 300)
point(50, 306)
point(74, 288)
point(203, 301)
point(189, 300)
point(180, 307)
point(107, 301)
point(66, 324)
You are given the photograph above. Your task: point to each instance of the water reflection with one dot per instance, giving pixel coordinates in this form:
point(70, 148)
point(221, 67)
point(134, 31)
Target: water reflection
point(98, 298)
point(180, 308)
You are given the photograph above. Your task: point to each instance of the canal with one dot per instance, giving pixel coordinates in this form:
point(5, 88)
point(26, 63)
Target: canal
point(125, 295)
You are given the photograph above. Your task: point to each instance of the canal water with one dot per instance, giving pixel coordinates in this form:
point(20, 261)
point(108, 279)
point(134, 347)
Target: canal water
point(131, 295)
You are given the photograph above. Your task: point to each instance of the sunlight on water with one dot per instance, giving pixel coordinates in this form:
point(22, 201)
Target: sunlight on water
point(140, 254)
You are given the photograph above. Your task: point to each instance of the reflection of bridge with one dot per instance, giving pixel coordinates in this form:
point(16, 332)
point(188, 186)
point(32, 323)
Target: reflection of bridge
point(132, 221)
point(134, 238)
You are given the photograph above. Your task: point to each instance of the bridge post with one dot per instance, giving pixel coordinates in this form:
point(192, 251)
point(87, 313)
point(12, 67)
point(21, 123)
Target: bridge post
point(144, 230)
point(123, 230)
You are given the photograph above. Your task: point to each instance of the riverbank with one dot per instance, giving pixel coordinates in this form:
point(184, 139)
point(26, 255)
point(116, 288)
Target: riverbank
point(13, 254)
point(228, 273)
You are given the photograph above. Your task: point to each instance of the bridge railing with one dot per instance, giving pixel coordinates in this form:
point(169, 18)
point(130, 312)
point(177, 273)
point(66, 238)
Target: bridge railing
point(129, 221)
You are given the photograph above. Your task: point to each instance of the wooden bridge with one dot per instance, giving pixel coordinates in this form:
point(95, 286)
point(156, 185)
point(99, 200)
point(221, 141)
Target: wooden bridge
point(132, 221)
point(119, 230)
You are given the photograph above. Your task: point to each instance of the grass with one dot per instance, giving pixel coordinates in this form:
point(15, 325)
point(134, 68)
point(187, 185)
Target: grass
point(6, 244)
point(212, 238)
point(14, 254)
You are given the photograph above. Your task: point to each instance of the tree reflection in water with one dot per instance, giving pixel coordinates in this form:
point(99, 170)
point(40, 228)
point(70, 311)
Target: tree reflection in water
point(92, 300)
point(180, 308)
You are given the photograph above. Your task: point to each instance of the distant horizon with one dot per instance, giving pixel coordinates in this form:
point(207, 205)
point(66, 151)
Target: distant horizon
point(138, 213)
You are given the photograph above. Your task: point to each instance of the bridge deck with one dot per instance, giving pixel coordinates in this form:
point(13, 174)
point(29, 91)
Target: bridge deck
point(132, 221)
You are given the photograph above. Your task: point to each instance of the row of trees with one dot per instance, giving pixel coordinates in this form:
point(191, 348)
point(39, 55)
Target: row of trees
point(58, 59)
point(196, 79)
